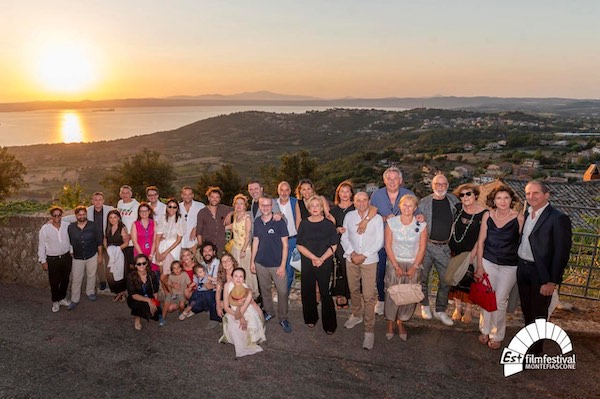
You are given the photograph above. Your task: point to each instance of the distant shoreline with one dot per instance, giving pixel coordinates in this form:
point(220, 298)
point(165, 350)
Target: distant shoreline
point(482, 103)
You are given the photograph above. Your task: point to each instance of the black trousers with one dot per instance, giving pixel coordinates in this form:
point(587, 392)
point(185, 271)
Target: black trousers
point(309, 277)
point(533, 304)
point(59, 270)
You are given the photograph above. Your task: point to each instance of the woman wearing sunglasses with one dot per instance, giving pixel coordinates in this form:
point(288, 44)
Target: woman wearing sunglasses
point(169, 234)
point(142, 287)
point(463, 238)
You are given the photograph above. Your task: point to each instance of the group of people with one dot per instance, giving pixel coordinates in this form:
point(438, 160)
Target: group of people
point(176, 257)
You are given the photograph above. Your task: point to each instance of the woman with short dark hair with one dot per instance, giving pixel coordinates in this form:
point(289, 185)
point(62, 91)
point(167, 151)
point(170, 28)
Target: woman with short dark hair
point(497, 257)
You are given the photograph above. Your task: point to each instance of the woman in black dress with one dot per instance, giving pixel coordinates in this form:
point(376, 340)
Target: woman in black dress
point(463, 238)
point(316, 242)
point(142, 287)
point(116, 236)
point(344, 195)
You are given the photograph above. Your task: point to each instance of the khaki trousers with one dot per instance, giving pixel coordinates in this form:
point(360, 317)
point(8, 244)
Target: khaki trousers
point(363, 305)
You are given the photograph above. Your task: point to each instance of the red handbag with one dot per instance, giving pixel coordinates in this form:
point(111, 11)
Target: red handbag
point(483, 294)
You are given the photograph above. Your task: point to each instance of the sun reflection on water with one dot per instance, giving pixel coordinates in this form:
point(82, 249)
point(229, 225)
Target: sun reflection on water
point(71, 127)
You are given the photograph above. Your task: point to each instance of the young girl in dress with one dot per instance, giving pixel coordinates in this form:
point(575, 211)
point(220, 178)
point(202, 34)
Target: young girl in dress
point(243, 325)
point(177, 281)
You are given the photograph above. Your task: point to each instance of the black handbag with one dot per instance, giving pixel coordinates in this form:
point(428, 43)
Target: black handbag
point(465, 284)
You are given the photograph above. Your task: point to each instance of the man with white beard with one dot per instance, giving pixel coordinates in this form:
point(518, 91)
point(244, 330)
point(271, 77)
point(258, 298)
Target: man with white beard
point(439, 209)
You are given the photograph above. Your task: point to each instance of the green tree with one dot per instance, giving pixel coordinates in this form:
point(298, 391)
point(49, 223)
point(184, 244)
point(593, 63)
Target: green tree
point(139, 171)
point(12, 172)
point(293, 167)
point(71, 195)
point(226, 178)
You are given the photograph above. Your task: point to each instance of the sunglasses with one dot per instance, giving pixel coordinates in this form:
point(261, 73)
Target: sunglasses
point(467, 194)
point(173, 207)
point(141, 263)
point(57, 215)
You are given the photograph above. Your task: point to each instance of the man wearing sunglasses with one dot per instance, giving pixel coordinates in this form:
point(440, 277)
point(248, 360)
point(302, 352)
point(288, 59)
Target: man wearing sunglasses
point(55, 258)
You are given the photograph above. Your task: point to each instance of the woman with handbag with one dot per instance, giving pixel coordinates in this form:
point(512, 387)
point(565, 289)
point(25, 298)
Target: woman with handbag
point(463, 238)
point(497, 258)
point(316, 242)
point(405, 242)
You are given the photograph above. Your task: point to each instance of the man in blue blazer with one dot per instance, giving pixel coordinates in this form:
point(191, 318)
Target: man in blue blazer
point(543, 254)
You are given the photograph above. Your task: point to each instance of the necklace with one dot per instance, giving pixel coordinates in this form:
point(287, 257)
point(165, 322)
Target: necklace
point(503, 217)
point(453, 232)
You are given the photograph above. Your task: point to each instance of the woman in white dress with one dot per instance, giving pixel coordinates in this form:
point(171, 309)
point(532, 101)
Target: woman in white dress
point(168, 237)
point(243, 325)
point(405, 241)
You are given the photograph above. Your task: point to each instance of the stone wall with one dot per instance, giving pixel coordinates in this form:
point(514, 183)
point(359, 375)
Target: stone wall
point(18, 251)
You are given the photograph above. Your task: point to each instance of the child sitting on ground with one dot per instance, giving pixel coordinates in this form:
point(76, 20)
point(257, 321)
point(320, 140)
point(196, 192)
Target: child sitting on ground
point(175, 299)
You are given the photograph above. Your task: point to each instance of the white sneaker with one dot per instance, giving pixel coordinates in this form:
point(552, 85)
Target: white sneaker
point(443, 317)
point(352, 321)
point(379, 308)
point(426, 312)
point(64, 302)
point(369, 341)
point(55, 307)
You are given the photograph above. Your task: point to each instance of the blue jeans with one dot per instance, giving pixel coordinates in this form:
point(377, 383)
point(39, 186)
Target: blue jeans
point(289, 270)
point(203, 301)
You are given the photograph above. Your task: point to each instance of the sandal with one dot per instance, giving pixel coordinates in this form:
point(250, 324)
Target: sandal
point(484, 339)
point(467, 318)
point(117, 298)
point(494, 344)
point(342, 302)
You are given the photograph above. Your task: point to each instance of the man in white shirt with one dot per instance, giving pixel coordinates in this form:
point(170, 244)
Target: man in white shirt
point(189, 208)
point(128, 208)
point(361, 251)
point(159, 209)
point(55, 257)
point(287, 207)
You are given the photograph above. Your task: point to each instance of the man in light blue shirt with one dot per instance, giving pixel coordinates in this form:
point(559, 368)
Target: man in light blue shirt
point(387, 200)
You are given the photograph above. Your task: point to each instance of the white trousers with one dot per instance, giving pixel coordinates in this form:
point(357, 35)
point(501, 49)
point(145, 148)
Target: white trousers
point(503, 279)
point(78, 270)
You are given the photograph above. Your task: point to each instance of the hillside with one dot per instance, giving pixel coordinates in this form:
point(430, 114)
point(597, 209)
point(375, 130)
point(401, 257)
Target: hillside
point(249, 140)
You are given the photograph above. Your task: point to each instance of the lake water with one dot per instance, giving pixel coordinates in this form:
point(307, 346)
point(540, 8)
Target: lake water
point(67, 126)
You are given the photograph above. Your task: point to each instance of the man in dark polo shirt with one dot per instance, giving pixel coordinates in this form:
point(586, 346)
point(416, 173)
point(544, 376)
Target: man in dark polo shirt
point(87, 253)
point(438, 209)
point(269, 256)
point(212, 220)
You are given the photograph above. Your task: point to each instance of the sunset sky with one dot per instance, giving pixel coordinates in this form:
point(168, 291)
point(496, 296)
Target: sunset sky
point(66, 50)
